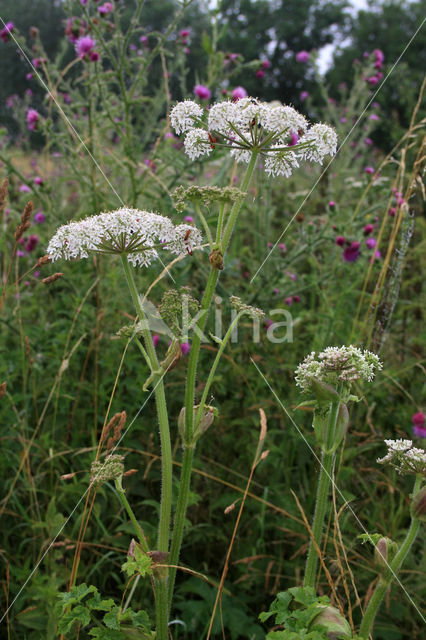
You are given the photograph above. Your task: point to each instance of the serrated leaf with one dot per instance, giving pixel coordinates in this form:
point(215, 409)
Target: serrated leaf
point(141, 563)
point(80, 613)
point(111, 619)
point(76, 594)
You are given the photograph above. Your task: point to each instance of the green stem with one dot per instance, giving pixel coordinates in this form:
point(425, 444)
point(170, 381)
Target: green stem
point(138, 529)
point(161, 609)
point(166, 450)
point(166, 455)
point(205, 225)
point(321, 504)
point(223, 344)
point(188, 455)
point(386, 580)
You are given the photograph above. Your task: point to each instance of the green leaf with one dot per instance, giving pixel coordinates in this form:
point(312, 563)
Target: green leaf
point(80, 613)
point(76, 594)
point(141, 563)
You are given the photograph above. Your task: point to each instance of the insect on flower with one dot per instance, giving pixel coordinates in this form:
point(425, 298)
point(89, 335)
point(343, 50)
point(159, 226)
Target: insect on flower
point(212, 140)
point(186, 236)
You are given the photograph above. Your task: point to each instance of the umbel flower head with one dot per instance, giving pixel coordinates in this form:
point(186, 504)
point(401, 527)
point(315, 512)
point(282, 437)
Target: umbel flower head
point(404, 457)
point(278, 132)
point(336, 366)
point(125, 231)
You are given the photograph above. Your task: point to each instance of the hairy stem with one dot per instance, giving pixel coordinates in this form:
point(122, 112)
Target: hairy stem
point(324, 480)
point(386, 580)
point(188, 455)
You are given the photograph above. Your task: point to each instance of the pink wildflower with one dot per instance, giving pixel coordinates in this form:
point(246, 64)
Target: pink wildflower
point(6, 31)
point(302, 56)
point(239, 92)
point(84, 45)
point(351, 253)
point(32, 119)
point(39, 217)
point(185, 348)
point(105, 8)
point(202, 92)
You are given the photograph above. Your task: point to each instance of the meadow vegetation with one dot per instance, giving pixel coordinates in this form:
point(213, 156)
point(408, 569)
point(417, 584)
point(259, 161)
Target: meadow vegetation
point(160, 465)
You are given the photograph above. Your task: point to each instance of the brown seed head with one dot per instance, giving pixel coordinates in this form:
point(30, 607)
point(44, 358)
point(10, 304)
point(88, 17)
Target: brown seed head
point(43, 260)
point(3, 193)
point(52, 278)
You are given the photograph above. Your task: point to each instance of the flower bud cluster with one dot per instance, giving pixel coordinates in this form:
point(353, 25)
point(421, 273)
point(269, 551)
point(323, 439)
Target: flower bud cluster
point(278, 132)
point(177, 308)
point(404, 457)
point(337, 365)
point(241, 307)
point(111, 468)
point(124, 231)
point(205, 195)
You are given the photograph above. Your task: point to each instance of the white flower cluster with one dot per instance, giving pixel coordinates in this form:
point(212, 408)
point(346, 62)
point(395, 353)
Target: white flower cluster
point(337, 365)
point(135, 233)
point(404, 457)
point(279, 133)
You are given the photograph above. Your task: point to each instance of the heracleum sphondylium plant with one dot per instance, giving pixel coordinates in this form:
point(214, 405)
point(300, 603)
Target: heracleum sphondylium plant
point(328, 378)
point(248, 129)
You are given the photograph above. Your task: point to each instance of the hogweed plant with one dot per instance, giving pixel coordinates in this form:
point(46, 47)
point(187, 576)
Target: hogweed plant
point(329, 377)
point(249, 130)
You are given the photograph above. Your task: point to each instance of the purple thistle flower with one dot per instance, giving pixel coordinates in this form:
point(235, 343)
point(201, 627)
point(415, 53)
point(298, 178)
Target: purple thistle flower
point(239, 92)
point(202, 92)
point(84, 45)
point(340, 241)
point(369, 170)
point(331, 203)
point(32, 119)
point(288, 300)
point(260, 73)
point(31, 243)
point(369, 228)
point(105, 8)
point(155, 339)
point(304, 95)
point(418, 420)
point(302, 56)
point(374, 116)
point(351, 253)
point(189, 219)
point(185, 348)
point(39, 217)
point(24, 188)
point(370, 243)
point(38, 180)
point(6, 31)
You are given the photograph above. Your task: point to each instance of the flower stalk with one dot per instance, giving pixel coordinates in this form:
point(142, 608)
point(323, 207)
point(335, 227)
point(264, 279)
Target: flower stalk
point(188, 455)
point(386, 579)
point(324, 480)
